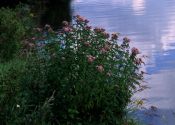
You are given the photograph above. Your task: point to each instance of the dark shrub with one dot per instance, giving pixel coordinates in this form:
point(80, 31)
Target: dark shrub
point(14, 26)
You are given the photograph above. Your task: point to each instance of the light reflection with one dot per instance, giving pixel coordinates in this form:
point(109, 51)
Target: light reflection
point(78, 1)
point(120, 2)
point(138, 7)
point(168, 38)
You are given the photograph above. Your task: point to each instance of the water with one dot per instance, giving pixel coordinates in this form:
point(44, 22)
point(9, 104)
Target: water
point(151, 26)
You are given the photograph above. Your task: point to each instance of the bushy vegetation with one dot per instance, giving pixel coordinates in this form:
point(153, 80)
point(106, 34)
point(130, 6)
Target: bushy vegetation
point(14, 26)
point(75, 76)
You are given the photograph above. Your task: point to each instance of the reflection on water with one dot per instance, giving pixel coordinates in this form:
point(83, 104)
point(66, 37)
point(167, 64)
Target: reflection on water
point(151, 25)
point(138, 6)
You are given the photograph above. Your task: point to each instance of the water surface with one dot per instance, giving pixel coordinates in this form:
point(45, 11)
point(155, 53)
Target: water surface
point(151, 26)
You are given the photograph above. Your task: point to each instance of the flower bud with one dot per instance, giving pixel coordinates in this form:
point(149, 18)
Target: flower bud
point(135, 51)
point(100, 68)
point(91, 58)
point(114, 36)
point(126, 40)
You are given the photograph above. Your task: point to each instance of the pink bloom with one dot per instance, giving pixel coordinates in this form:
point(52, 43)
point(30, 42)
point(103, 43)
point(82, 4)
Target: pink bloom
point(114, 36)
point(135, 51)
point(100, 68)
point(99, 30)
point(91, 58)
point(81, 19)
point(126, 40)
point(103, 50)
point(67, 29)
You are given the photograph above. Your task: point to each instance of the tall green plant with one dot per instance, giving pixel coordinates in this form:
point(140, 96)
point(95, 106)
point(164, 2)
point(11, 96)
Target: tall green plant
point(76, 76)
point(92, 74)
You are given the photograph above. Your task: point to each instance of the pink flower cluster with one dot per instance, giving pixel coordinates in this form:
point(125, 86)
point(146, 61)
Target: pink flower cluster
point(91, 58)
point(67, 29)
point(102, 32)
point(126, 40)
point(105, 49)
point(99, 30)
point(135, 51)
point(100, 68)
point(114, 36)
point(81, 19)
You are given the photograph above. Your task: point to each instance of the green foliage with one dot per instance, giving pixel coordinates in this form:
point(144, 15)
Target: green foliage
point(10, 74)
point(14, 25)
point(77, 76)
